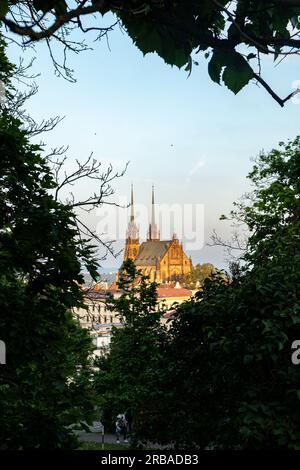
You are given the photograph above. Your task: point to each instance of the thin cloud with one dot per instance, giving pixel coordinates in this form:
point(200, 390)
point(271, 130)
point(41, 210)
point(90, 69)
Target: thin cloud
point(195, 169)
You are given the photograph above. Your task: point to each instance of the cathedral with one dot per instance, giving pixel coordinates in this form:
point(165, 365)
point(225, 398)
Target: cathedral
point(163, 261)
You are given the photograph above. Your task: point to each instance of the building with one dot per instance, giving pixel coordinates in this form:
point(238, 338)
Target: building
point(97, 318)
point(170, 295)
point(163, 261)
point(99, 321)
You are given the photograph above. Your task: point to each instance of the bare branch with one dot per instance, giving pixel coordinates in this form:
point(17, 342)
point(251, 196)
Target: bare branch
point(33, 25)
point(84, 230)
point(279, 100)
point(90, 169)
point(235, 247)
point(60, 20)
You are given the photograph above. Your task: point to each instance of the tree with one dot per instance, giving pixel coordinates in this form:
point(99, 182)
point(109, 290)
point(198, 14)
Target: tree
point(223, 377)
point(232, 35)
point(236, 338)
point(45, 385)
point(274, 212)
point(130, 374)
point(198, 274)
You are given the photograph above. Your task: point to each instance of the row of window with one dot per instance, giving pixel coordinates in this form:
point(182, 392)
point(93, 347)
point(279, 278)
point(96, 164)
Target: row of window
point(99, 318)
point(95, 308)
point(98, 308)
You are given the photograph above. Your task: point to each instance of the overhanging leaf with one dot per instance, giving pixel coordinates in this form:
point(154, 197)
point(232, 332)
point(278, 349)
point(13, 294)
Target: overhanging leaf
point(61, 7)
point(151, 37)
point(215, 66)
point(44, 5)
point(3, 8)
point(237, 73)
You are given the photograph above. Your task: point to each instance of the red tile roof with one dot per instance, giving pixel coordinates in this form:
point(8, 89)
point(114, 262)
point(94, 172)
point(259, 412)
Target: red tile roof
point(168, 291)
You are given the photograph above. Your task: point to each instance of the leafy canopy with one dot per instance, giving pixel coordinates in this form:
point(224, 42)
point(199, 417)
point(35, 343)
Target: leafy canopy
point(236, 338)
point(130, 373)
point(198, 274)
point(233, 36)
point(46, 384)
point(222, 376)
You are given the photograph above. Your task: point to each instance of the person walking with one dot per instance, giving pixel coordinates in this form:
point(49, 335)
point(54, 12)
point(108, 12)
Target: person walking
point(129, 417)
point(121, 427)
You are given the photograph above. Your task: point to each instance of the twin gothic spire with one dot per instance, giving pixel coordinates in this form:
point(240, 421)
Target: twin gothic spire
point(132, 231)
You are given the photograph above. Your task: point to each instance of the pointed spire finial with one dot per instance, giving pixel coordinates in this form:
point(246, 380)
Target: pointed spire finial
point(153, 232)
point(132, 230)
point(153, 207)
point(132, 208)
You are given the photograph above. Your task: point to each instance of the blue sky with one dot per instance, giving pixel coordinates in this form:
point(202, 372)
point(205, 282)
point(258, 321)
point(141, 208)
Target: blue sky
point(190, 137)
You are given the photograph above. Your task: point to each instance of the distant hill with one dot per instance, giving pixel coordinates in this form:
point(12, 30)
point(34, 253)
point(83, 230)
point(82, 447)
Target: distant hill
point(107, 275)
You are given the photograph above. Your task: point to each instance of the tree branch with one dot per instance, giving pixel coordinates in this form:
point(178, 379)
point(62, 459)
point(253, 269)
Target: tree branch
point(267, 87)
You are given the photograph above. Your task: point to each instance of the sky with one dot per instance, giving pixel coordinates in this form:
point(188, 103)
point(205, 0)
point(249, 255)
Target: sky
point(192, 139)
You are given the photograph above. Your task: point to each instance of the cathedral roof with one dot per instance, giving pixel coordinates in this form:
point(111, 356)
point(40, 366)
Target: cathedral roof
point(150, 251)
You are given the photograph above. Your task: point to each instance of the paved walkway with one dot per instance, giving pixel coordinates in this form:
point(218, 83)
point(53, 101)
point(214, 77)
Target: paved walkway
point(97, 437)
point(111, 439)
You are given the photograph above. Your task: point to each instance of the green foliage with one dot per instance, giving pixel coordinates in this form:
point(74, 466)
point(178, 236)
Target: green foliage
point(222, 376)
point(232, 67)
point(46, 384)
point(6, 68)
point(130, 374)
point(59, 6)
point(3, 7)
point(149, 36)
point(236, 338)
point(233, 34)
point(240, 379)
point(138, 302)
point(274, 214)
point(198, 274)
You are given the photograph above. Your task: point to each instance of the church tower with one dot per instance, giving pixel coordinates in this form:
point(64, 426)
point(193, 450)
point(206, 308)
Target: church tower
point(132, 243)
point(153, 233)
